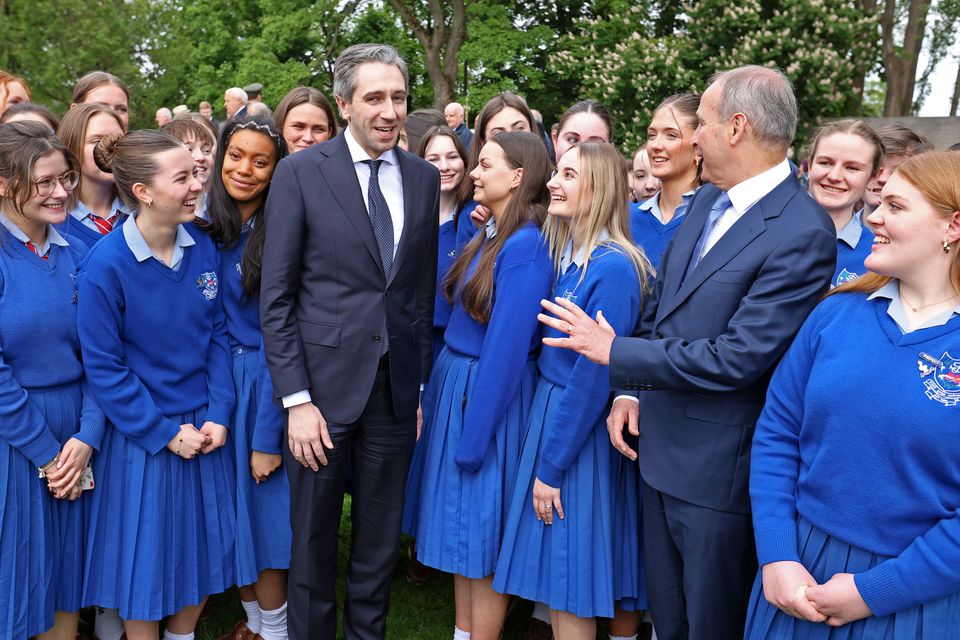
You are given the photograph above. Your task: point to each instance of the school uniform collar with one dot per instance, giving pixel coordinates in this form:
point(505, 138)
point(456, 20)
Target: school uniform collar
point(891, 292)
point(53, 236)
point(568, 259)
point(449, 216)
point(138, 246)
point(851, 232)
point(752, 190)
point(359, 154)
point(80, 211)
point(652, 205)
point(490, 228)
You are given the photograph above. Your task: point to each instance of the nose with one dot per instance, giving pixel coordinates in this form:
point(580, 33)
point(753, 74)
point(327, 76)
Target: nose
point(876, 218)
point(475, 174)
point(195, 186)
point(59, 191)
point(198, 157)
point(835, 174)
point(308, 135)
point(245, 167)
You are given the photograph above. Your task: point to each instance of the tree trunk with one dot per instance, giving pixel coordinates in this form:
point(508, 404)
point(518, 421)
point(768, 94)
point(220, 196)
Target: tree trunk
point(900, 62)
point(956, 94)
point(441, 42)
point(855, 103)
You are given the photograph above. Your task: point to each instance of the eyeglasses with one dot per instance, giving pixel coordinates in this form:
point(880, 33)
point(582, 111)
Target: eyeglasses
point(69, 182)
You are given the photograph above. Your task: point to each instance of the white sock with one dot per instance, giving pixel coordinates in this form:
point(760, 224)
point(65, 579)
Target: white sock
point(253, 615)
point(177, 636)
point(541, 612)
point(633, 637)
point(108, 625)
point(460, 634)
point(273, 625)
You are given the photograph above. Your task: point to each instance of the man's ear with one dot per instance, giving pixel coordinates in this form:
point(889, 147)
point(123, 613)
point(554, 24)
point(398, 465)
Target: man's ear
point(738, 128)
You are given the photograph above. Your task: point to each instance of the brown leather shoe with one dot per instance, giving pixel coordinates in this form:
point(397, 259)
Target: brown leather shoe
point(241, 632)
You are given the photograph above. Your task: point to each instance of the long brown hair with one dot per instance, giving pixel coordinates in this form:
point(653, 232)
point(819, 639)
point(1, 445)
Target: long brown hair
point(73, 132)
point(494, 105)
point(421, 151)
point(936, 175)
point(305, 95)
point(529, 201)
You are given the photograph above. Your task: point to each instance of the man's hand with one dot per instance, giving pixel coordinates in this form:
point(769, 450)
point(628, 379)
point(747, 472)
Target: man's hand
point(624, 412)
point(839, 600)
point(586, 336)
point(786, 585)
point(307, 435)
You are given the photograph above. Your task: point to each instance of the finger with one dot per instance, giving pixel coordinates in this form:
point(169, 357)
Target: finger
point(316, 455)
point(558, 311)
point(298, 454)
point(559, 507)
point(555, 323)
point(66, 457)
point(573, 309)
point(633, 421)
point(562, 343)
point(325, 437)
point(603, 321)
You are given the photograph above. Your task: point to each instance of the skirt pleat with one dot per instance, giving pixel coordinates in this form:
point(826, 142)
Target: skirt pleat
point(824, 556)
point(629, 564)
point(161, 533)
point(263, 510)
point(567, 565)
point(461, 515)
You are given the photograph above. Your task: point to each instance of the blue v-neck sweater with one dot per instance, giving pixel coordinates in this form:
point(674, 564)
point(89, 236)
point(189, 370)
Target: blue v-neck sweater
point(860, 435)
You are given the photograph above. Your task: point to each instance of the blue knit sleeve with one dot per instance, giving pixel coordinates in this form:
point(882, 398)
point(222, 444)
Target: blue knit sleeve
point(513, 322)
point(93, 422)
point(220, 393)
point(270, 419)
point(466, 230)
point(775, 457)
point(119, 392)
point(21, 423)
point(612, 287)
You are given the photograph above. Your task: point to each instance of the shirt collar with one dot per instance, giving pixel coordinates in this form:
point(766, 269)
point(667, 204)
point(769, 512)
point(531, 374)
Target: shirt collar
point(750, 191)
point(138, 246)
point(568, 259)
point(490, 228)
point(891, 292)
point(53, 236)
point(80, 211)
point(359, 154)
point(448, 216)
point(652, 205)
point(851, 232)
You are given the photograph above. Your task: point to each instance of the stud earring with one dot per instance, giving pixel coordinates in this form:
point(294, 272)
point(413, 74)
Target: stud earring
point(946, 246)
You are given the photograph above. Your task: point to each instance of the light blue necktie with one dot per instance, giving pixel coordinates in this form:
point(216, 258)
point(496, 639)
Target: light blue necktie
point(719, 207)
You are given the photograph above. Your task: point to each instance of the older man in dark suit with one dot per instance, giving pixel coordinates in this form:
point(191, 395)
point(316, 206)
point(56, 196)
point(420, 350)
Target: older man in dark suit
point(349, 268)
point(746, 267)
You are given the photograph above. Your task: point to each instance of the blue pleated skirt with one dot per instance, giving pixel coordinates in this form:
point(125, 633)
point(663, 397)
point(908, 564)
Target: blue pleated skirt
point(824, 556)
point(161, 531)
point(461, 515)
point(629, 565)
point(567, 565)
point(263, 510)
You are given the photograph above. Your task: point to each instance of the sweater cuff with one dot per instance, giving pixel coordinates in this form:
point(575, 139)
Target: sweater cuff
point(157, 439)
point(42, 450)
point(549, 474)
point(468, 463)
point(218, 413)
point(776, 545)
point(879, 588)
point(91, 435)
point(267, 440)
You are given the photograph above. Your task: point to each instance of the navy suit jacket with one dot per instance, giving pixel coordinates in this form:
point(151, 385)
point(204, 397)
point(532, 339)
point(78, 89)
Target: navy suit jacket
point(705, 348)
point(324, 293)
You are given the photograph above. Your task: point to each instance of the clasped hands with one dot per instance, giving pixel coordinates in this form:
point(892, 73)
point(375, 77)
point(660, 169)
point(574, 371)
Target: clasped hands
point(63, 473)
point(788, 586)
point(191, 441)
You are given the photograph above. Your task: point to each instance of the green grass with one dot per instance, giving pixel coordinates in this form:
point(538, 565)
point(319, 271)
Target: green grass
point(422, 612)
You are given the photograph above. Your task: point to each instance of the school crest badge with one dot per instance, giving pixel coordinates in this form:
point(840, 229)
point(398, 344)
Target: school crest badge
point(941, 378)
point(209, 284)
point(845, 277)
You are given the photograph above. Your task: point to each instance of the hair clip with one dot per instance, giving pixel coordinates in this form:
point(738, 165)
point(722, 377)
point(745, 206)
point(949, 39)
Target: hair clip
point(250, 124)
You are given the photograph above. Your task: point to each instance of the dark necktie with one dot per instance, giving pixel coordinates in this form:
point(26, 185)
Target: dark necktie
point(382, 230)
point(719, 207)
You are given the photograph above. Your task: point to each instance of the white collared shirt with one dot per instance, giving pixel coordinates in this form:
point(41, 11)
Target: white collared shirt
point(850, 233)
point(743, 196)
point(891, 292)
point(391, 182)
point(80, 211)
point(141, 251)
point(53, 236)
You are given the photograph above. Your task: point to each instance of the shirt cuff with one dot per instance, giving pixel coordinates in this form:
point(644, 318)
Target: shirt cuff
point(300, 397)
point(634, 398)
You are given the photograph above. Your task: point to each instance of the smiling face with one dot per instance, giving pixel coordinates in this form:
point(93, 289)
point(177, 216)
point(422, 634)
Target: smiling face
point(645, 184)
point(493, 179)
point(875, 186)
point(442, 153)
point(578, 128)
point(565, 188)
point(306, 125)
point(507, 119)
point(377, 108)
point(248, 166)
point(50, 208)
point(909, 234)
point(670, 147)
point(202, 153)
point(99, 126)
point(112, 97)
point(453, 114)
point(173, 191)
point(839, 172)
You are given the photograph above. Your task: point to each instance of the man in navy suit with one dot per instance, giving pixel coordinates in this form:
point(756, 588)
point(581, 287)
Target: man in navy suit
point(749, 263)
point(349, 266)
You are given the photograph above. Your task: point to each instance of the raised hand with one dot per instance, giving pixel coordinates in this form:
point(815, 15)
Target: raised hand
point(587, 337)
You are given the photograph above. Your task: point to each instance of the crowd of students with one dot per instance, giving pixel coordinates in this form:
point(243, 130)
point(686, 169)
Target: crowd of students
point(133, 382)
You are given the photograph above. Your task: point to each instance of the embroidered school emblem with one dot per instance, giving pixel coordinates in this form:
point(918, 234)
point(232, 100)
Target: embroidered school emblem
point(569, 295)
point(845, 277)
point(208, 282)
point(941, 378)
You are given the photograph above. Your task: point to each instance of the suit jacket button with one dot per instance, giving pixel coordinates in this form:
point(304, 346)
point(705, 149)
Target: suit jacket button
point(659, 335)
point(376, 338)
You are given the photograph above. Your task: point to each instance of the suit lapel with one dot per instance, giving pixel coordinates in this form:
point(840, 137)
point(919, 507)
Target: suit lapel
point(341, 177)
point(410, 208)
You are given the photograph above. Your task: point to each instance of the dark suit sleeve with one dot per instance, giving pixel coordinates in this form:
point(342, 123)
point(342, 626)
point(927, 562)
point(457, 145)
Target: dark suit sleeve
point(285, 217)
point(427, 283)
point(787, 287)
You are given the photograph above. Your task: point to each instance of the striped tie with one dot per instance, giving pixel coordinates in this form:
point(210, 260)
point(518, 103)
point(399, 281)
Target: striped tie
point(104, 225)
point(33, 248)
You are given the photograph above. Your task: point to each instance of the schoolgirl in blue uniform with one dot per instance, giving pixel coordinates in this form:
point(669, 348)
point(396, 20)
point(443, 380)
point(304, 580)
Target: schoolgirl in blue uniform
point(845, 156)
point(96, 208)
point(153, 331)
point(483, 379)
point(248, 153)
point(856, 500)
point(49, 420)
point(568, 561)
